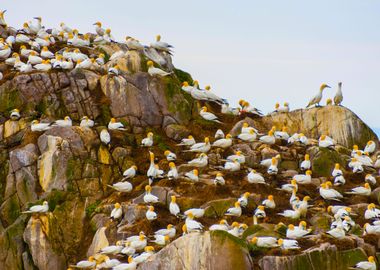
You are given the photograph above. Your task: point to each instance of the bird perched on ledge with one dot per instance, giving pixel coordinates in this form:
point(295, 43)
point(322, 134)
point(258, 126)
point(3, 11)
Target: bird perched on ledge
point(317, 98)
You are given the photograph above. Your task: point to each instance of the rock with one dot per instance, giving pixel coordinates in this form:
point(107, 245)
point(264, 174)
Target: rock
point(23, 157)
point(217, 208)
point(98, 242)
point(176, 132)
point(338, 122)
point(162, 193)
point(216, 250)
point(323, 161)
point(324, 257)
point(12, 127)
point(36, 235)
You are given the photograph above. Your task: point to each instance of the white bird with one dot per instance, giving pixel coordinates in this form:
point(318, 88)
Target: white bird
point(339, 180)
point(273, 167)
point(133, 44)
point(234, 230)
point(86, 122)
point(113, 249)
point(303, 178)
point(226, 109)
point(254, 177)
point(356, 166)
point(192, 225)
point(369, 178)
point(337, 232)
point(212, 97)
point(219, 180)
point(160, 45)
point(197, 212)
point(282, 135)
point(265, 242)
point(140, 243)
point(86, 264)
point(234, 211)
point(115, 70)
point(306, 164)
point(148, 251)
point(150, 214)
point(38, 208)
point(107, 263)
point(324, 142)
point(161, 240)
point(292, 214)
point(113, 125)
point(260, 212)
point(173, 172)
point(131, 265)
point(189, 141)
point(366, 265)
point(169, 231)
point(200, 161)
point(288, 244)
point(339, 95)
point(208, 115)
point(117, 212)
point(289, 187)
point(243, 200)
point(153, 71)
point(15, 115)
point(370, 147)
point(173, 207)
point(268, 162)
point(37, 126)
point(364, 191)
point(122, 186)
point(105, 137)
point(202, 147)
point(317, 98)
point(98, 29)
point(187, 88)
point(44, 66)
point(268, 139)
point(371, 229)
point(148, 197)
point(248, 137)
point(192, 175)
point(219, 134)
point(372, 212)
point(21, 38)
point(269, 202)
point(34, 59)
point(66, 122)
point(221, 226)
point(148, 141)
point(224, 142)
point(328, 193)
point(2, 20)
point(246, 128)
point(296, 232)
point(238, 156)
point(5, 52)
point(170, 156)
point(337, 171)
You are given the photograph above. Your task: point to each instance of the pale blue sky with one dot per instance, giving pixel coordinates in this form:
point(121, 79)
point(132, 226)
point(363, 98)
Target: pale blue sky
point(263, 51)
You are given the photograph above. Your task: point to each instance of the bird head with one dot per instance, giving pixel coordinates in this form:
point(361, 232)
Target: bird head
point(167, 239)
point(190, 137)
point(307, 157)
point(254, 240)
point(280, 242)
point(184, 228)
point(251, 131)
point(158, 37)
point(2, 14)
point(306, 198)
point(337, 166)
point(309, 172)
point(228, 136)
point(261, 207)
point(207, 87)
point(190, 215)
point(270, 133)
point(370, 143)
point(291, 227)
point(130, 259)
point(303, 224)
point(277, 105)
point(151, 208)
point(371, 259)
point(237, 204)
point(15, 110)
point(370, 206)
point(99, 24)
point(324, 86)
point(34, 122)
point(355, 147)
point(148, 188)
point(286, 104)
point(238, 153)
point(149, 63)
point(222, 222)
point(117, 205)
point(245, 125)
point(149, 248)
point(169, 226)
point(367, 186)
point(173, 199)
point(195, 172)
point(45, 203)
point(235, 224)
point(329, 101)
point(171, 165)
point(323, 137)
point(274, 161)
point(207, 140)
point(67, 118)
point(329, 209)
point(150, 134)
point(219, 174)
point(108, 31)
point(246, 195)
point(25, 25)
point(142, 236)
point(196, 84)
point(204, 108)
point(185, 84)
point(293, 182)
point(270, 197)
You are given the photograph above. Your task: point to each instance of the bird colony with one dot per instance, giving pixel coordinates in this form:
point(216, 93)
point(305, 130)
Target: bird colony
point(214, 163)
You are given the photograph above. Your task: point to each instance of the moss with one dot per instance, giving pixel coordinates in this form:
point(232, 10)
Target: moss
point(324, 161)
point(9, 100)
point(158, 140)
point(352, 257)
point(105, 114)
point(251, 230)
point(217, 208)
point(92, 208)
point(73, 169)
point(225, 236)
point(55, 198)
point(208, 125)
point(183, 76)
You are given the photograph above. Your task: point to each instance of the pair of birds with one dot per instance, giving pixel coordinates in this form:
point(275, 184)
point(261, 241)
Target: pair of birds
point(318, 97)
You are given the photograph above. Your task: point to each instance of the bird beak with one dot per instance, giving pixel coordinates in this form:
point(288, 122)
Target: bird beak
point(4, 11)
point(94, 24)
point(328, 86)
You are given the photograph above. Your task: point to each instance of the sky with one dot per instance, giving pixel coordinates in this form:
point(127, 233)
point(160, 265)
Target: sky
point(262, 51)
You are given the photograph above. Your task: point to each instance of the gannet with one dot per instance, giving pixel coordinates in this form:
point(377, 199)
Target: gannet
point(219, 180)
point(148, 141)
point(113, 249)
point(334, 208)
point(25, 68)
point(223, 143)
point(255, 178)
point(65, 28)
point(86, 264)
point(148, 197)
point(242, 228)
point(246, 128)
point(41, 42)
point(192, 225)
point(296, 232)
point(303, 178)
point(371, 212)
point(84, 64)
point(285, 109)
point(107, 263)
point(128, 250)
point(98, 28)
point(186, 87)
point(243, 200)
point(226, 109)
point(248, 137)
point(153, 71)
point(117, 212)
point(328, 193)
point(370, 147)
point(140, 243)
point(169, 231)
point(324, 142)
point(208, 115)
point(221, 226)
point(173, 172)
point(114, 71)
point(268, 162)
point(219, 134)
point(133, 44)
point(234, 230)
point(306, 164)
point(212, 97)
point(260, 212)
point(356, 166)
point(268, 139)
point(273, 167)
point(148, 251)
point(5, 52)
point(66, 122)
point(160, 45)
point(21, 38)
point(44, 66)
point(77, 55)
point(342, 212)
point(369, 178)
point(238, 156)
point(66, 64)
point(113, 125)
point(315, 100)
point(150, 214)
point(170, 156)
point(173, 207)
point(37, 208)
point(131, 265)
point(2, 20)
point(200, 161)
point(289, 187)
point(371, 229)
point(366, 265)
point(288, 244)
point(34, 59)
point(337, 232)
point(338, 96)
point(247, 108)
point(37, 126)
point(292, 214)
point(269, 202)
point(100, 59)
point(15, 114)
point(192, 175)
point(124, 186)
point(202, 147)
point(12, 60)
point(282, 135)
point(265, 241)
point(86, 122)
point(337, 171)
point(105, 137)
point(35, 25)
point(339, 180)
point(189, 141)
point(197, 212)
point(107, 36)
point(364, 191)
point(234, 211)
point(231, 166)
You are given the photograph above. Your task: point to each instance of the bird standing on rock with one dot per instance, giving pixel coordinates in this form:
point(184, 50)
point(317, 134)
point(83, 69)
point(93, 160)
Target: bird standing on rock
point(339, 95)
point(316, 99)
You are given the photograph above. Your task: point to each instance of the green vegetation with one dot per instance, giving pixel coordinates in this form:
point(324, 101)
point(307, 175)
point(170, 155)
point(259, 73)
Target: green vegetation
point(92, 208)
